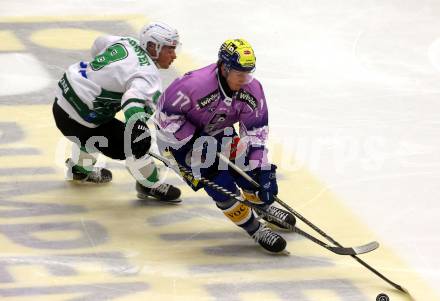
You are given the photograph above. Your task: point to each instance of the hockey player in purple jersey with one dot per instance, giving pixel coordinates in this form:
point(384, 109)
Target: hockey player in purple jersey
point(202, 106)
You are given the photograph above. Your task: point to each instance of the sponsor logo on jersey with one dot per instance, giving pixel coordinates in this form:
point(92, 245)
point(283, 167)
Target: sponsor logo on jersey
point(208, 99)
point(247, 98)
point(64, 85)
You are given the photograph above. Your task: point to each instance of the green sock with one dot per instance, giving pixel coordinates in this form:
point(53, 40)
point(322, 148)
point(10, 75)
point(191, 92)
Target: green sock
point(84, 156)
point(152, 179)
point(81, 169)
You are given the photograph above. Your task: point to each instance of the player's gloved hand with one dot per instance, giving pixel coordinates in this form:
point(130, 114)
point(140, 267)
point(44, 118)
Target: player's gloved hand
point(267, 179)
point(140, 139)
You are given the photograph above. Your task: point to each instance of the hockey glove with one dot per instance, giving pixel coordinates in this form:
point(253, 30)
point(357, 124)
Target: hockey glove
point(140, 139)
point(268, 183)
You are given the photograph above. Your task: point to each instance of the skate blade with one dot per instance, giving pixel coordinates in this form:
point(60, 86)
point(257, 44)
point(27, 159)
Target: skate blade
point(285, 253)
point(282, 253)
point(85, 181)
point(81, 182)
point(146, 197)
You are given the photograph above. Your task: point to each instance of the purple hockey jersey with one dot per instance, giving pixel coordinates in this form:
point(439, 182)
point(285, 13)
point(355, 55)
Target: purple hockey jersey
point(197, 102)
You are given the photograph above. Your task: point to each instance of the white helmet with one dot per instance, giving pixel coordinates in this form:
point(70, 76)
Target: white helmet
point(160, 34)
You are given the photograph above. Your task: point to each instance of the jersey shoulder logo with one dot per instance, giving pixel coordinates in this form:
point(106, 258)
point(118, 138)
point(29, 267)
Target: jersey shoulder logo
point(248, 98)
point(208, 99)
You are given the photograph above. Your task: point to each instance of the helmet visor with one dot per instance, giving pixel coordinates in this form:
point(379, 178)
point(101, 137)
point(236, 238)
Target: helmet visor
point(245, 76)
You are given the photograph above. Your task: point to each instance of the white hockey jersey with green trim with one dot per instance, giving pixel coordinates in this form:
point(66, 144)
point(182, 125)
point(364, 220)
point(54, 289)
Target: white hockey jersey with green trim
point(121, 76)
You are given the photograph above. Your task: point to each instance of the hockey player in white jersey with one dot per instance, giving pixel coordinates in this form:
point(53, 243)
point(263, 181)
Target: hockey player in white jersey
point(123, 75)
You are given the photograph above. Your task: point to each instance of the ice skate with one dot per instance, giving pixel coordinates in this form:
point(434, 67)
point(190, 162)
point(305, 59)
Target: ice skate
point(163, 193)
point(269, 240)
point(98, 175)
point(283, 215)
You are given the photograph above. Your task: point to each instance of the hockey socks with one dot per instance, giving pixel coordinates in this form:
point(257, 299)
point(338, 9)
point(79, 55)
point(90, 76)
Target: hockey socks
point(144, 171)
point(240, 214)
point(82, 160)
point(244, 217)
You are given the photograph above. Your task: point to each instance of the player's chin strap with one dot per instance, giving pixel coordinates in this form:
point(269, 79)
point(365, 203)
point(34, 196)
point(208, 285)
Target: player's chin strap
point(306, 221)
point(182, 170)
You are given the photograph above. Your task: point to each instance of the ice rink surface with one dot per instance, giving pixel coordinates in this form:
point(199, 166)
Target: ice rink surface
point(353, 92)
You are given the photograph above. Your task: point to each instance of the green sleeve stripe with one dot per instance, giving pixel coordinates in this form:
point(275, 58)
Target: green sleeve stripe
point(149, 110)
point(110, 94)
point(131, 111)
point(104, 109)
point(69, 94)
point(133, 100)
point(156, 96)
